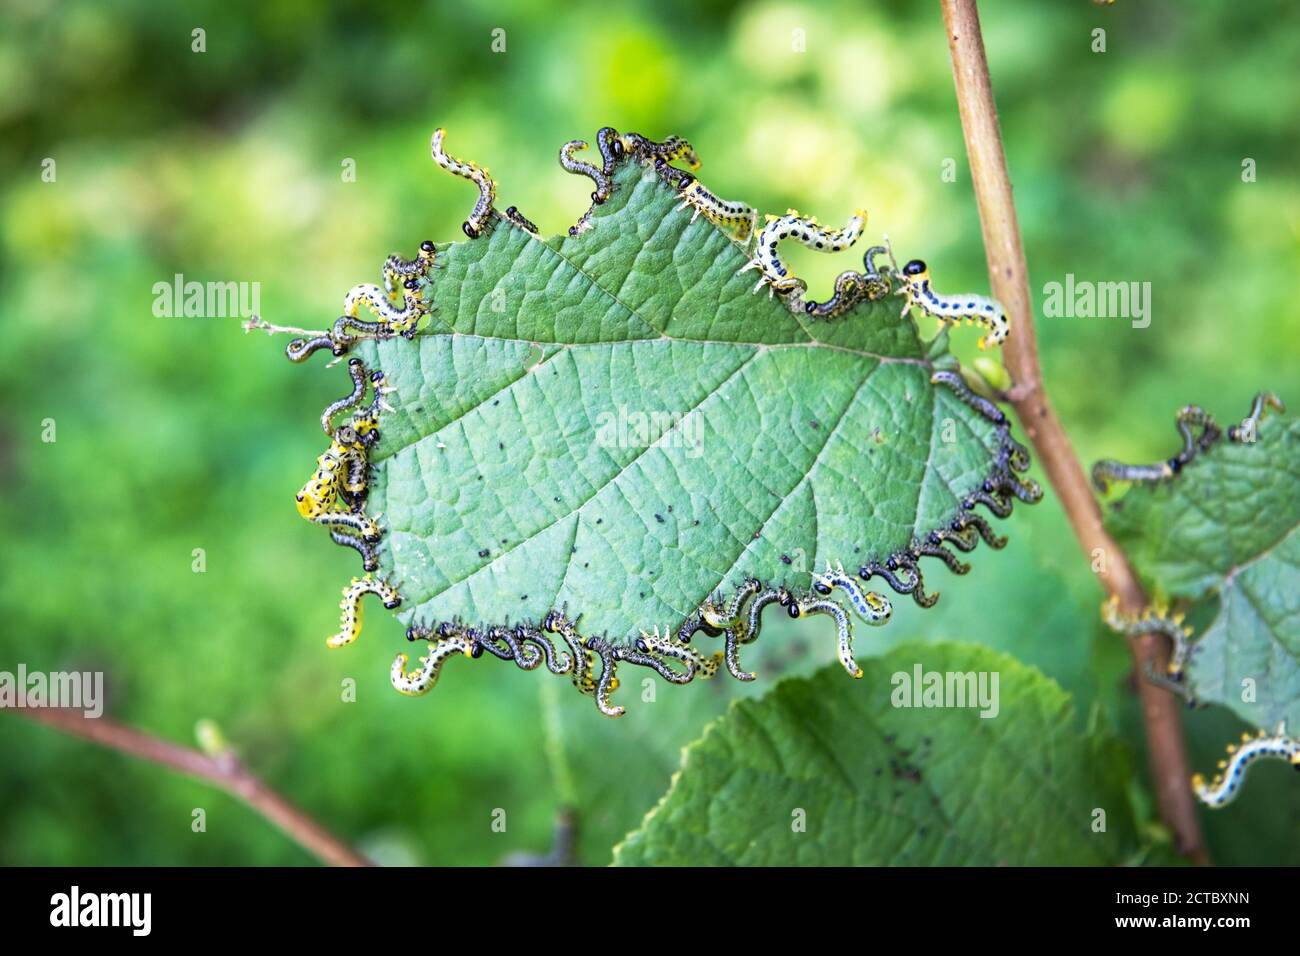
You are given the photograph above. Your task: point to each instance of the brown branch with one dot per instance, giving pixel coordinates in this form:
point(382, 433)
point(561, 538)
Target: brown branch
point(223, 770)
point(1161, 711)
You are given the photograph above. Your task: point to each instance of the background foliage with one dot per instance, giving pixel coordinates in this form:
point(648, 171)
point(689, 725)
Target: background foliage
point(175, 434)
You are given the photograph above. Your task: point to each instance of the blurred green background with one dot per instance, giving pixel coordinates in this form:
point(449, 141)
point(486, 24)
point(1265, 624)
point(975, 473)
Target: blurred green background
point(183, 433)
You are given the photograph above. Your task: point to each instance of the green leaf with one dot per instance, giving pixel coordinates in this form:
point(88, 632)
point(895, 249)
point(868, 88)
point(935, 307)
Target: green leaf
point(513, 477)
point(1228, 526)
point(879, 784)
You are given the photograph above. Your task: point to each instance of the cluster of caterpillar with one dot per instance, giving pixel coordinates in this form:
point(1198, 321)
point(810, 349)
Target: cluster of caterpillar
point(738, 619)
point(740, 220)
point(400, 304)
point(999, 490)
point(335, 494)
point(402, 280)
point(1189, 417)
point(615, 147)
point(1226, 784)
point(1156, 619)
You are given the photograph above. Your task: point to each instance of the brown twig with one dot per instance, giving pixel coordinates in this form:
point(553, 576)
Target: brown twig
point(1010, 285)
point(224, 770)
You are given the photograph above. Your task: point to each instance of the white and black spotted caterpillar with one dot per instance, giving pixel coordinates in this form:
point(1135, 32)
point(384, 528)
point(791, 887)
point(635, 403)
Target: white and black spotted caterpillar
point(773, 272)
point(951, 309)
point(1226, 784)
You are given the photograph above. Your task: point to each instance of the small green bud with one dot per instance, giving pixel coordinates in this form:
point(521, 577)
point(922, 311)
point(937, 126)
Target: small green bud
point(210, 738)
point(993, 372)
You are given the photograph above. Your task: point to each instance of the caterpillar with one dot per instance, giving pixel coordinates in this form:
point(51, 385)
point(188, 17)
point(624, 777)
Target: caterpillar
point(637, 652)
point(608, 682)
point(693, 623)
point(487, 189)
point(772, 271)
point(852, 287)
point(391, 319)
point(422, 680)
point(612, 153)
point(581, 168)
point(664, 646)
point(873, 608)
point(491, 639)
point(1189, 417)
point(670, 150)
point(355, 484)
point(1246, 430)
point(877, 284)
point(299, 350)
point(398, 269)
point(729, 619)
point(515, 217)
point(951, 310)
point(557, 661)
point(849, 291)
point(811, 604)
point(734, 635)
point(1108, 471)
point(369, 554)
point(957, 385)
point(1156, 619)
point(318, 494)
point(347, 329)
point(357, 371)
point(967, 526)
point(350, 606)
point(557, 623)
point(394, 318)
point(719, 615)
point(911, 581)
point(725, 215)
point(1227, 782)
point(610, 145)
point(363, 524)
